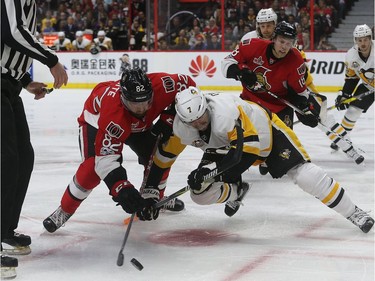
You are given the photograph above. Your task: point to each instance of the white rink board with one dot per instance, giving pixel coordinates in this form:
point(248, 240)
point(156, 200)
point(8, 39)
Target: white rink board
point(85, 70)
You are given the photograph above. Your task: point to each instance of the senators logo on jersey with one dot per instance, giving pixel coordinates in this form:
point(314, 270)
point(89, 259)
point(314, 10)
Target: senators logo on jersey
point(261, 74)
point(114, 130)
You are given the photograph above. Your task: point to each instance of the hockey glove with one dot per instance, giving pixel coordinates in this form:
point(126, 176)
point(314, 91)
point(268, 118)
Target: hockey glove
point(151, 196)
point(247, 78)
point(124, 193)
point(164, 126)
point(309, 117)
point(196, 178)
point(339, 101)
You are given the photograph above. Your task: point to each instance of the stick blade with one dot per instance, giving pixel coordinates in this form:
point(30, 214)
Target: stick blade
point(120, 259)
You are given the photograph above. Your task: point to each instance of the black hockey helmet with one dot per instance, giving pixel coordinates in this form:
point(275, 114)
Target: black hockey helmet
point(286, 30)
point(135, 86)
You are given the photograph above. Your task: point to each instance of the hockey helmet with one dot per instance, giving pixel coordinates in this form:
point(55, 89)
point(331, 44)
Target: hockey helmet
point(135, 86)
point(362, 31)
point(265, 15)
point(286, 30)
point(190, 104)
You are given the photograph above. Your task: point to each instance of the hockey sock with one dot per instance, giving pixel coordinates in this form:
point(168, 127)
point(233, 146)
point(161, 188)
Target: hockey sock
point(313, 180)
point(350, 118)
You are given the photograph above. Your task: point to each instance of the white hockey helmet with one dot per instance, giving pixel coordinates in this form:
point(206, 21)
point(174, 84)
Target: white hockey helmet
point(265, 15)
point(190, 104)
point(362, 31)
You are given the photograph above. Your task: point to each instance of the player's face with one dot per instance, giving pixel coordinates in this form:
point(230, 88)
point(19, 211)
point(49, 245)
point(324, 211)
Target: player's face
point(138, 109)
point(202, 122)
point(266, 29)
point(282, 46)
point(364, 44)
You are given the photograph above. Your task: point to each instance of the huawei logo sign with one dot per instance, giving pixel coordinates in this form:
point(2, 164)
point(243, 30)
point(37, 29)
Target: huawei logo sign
point(202, 64)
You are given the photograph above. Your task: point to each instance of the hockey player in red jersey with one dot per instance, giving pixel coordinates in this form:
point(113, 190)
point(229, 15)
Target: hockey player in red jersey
point(276, 66)
point(117, 113)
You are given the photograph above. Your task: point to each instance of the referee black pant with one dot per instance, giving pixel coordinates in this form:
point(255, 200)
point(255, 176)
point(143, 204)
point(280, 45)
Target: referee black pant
point(17, 155)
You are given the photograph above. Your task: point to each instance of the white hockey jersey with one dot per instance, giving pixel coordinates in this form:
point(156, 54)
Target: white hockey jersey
point(106, 43)
point(250, 35)
point(224, 110)
point(84, 45)
point(62, 45)
point(357, 68)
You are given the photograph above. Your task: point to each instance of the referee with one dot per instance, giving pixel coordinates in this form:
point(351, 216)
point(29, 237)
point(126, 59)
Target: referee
point(18, 49)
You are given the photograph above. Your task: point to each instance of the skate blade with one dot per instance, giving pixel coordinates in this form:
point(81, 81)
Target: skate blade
point(15, 251)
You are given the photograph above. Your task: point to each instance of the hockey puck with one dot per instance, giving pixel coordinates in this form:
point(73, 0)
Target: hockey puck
point(136, 264)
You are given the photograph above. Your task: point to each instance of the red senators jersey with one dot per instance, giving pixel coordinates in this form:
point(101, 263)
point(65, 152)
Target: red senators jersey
point(104, 110)
point(276, 75)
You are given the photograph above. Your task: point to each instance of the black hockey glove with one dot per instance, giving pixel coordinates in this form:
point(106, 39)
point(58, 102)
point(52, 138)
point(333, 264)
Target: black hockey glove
point(164, 126)
point(309, 117)
point(247, 77)
point(339, 101)
point(151, 196)
point(196, 177)
point(124, 193)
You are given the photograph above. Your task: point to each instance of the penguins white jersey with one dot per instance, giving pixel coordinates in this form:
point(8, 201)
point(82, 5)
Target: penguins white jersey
point(357, 68)
point(224, 111)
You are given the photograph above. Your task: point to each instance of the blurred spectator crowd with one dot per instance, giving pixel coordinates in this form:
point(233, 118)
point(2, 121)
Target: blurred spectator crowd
point(100, 25)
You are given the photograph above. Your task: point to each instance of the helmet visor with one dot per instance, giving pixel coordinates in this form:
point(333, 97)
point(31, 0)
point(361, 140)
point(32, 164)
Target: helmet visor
point(137, 109)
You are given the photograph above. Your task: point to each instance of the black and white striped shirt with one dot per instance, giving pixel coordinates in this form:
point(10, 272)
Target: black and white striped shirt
point(18, 44)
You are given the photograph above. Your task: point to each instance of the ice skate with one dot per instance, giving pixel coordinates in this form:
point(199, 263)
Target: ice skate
point(353, 154)
point(56, 220)
point(8, 267)
point(361, 219)
point(334, 147)
point(16, 244)
point(174, 205)
point(231, 207)
point(263, 169)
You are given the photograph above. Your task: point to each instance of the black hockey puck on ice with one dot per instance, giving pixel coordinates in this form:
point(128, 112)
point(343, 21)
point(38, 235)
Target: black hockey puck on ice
point(136, 264)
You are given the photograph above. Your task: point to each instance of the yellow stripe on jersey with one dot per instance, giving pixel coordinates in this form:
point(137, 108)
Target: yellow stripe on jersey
point(350, 73)
point(331, 194)
point(225, 188)
point(168, 155)
point(367, 80)
point(309, 82)
point(251, 140)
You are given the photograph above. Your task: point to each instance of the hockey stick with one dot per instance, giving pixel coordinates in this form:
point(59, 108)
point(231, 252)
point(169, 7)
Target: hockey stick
point(295, 108)
point(235, 159)
point(349, 100)
point(354, 98)
point(120, 256)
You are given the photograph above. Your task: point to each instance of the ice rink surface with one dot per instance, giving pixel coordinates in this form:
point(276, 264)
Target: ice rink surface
point(280, 234)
